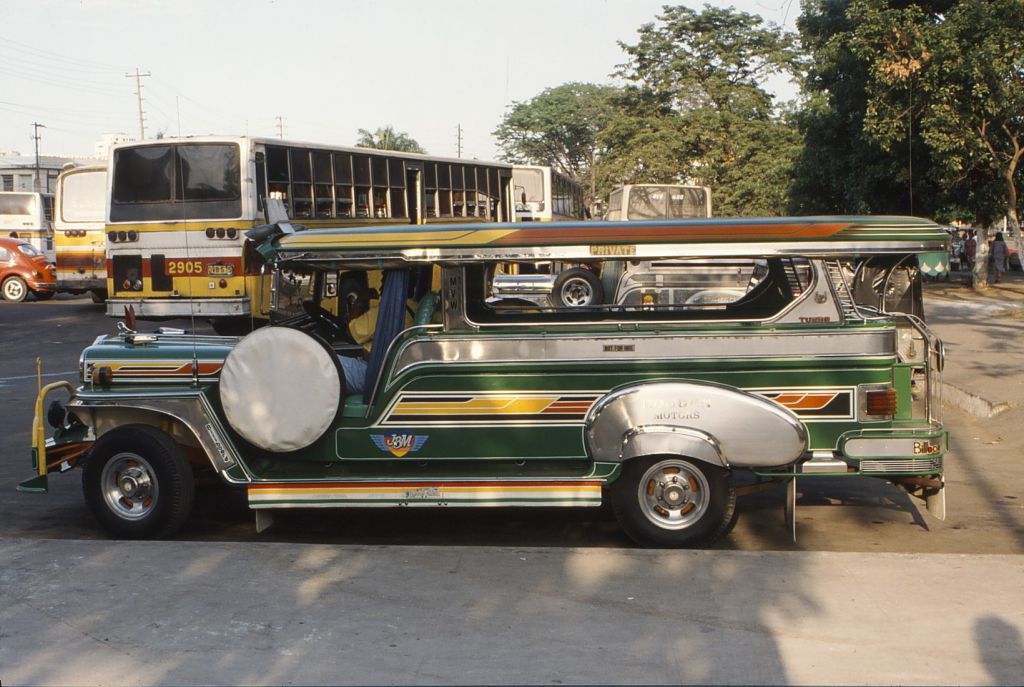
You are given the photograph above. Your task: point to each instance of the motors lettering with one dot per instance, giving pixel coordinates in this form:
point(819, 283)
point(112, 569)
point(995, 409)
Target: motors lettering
point(677, 408)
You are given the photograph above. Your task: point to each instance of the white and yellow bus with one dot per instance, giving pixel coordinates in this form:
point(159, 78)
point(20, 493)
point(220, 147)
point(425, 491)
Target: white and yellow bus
point(179, 208)
point(658, 201)
point(546, 195)
point(28, 216)
point(79, 231)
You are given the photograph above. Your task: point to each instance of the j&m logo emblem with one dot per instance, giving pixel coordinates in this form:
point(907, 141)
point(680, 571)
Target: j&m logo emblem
point(399, 443)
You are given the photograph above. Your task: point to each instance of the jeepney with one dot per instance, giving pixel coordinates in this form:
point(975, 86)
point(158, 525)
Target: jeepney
point(820, 366)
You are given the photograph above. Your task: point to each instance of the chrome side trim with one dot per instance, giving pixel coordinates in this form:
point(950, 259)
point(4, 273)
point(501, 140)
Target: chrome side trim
point(601, 346)
point(179, 307)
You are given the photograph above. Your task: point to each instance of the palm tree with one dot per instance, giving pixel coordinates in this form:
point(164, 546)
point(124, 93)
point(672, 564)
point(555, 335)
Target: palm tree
point(386, 138)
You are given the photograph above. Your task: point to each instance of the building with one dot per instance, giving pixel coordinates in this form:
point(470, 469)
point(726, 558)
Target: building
point(18, 172)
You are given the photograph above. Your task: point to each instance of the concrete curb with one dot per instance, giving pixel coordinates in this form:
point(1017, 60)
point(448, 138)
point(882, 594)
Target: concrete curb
point(972, 403)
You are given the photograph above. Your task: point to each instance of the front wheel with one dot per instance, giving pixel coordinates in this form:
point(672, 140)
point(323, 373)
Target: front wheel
point(137, 483)
point(14, 289)
point(673, 501)
point(578, 288)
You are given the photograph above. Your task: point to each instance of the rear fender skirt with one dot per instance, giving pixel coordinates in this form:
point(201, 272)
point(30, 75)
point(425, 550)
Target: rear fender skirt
point(712, 422)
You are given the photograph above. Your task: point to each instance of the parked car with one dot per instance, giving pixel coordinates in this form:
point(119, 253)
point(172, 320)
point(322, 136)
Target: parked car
point(24, 270)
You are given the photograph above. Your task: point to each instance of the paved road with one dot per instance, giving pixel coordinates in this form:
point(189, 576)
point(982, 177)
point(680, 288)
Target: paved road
point(515, 596)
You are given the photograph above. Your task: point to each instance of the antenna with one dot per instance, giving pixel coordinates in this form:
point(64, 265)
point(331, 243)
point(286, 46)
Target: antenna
point(138, 96)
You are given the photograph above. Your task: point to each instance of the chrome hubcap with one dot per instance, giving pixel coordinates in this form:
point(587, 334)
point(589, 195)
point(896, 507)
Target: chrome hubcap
point(673, 494)
point(577, 292)
point(13, 290)
point(130, 488)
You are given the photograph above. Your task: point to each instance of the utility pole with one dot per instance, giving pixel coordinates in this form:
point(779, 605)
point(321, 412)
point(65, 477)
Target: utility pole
point(459, 139)
point(35, 135)
point(280, 127)
point(138, 94)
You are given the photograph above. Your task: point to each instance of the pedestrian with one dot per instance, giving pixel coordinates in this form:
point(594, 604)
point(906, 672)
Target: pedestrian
point(970, 250)
point(1000, 256)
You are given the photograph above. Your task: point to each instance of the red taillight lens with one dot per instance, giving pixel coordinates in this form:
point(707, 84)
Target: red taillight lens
point(880, 402)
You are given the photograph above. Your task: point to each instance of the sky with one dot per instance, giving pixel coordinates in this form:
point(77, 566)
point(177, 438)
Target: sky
point(326, 68)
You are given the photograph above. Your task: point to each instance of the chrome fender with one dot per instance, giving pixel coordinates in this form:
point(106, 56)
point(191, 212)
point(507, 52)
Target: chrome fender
point(714, 423)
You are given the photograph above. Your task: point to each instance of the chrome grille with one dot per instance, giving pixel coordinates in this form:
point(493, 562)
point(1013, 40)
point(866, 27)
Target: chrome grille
point(923, 465)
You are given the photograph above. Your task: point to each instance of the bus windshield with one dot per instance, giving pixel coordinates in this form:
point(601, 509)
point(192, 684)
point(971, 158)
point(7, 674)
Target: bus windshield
point(82, 199)
point(151, 182)
point(658, 202)
point(16, 204)
point(529, 185)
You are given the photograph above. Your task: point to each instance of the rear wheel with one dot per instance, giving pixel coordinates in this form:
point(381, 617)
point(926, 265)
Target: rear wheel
point(137, 483)
point(98, 296)
point(14, 289)
point(44, 295)
point(673, 501)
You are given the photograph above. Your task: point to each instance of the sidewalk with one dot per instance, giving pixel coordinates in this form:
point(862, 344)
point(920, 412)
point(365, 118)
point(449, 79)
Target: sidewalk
point(984, 337)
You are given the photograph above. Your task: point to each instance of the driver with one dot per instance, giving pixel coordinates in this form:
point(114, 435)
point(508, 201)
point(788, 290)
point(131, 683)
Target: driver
point(361, 325)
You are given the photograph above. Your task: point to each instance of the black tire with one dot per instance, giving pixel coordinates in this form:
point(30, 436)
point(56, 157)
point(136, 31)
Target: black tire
point(14, 289)
point(159, 472)
point(98, 296)
point(43, 295)
point(578, 288)
point(704, 494)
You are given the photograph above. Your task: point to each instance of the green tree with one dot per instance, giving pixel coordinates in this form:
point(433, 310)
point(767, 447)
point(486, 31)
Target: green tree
point(559, 128)
point(696, 108)
point(842, 167)
point(963, 70)
point(386, 138)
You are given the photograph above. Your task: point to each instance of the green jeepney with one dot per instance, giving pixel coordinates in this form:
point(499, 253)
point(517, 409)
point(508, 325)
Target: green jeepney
point(815, 363)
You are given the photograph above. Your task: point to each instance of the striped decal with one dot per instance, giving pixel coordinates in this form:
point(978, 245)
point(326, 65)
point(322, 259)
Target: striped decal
point(169, 371)
point(487, 408)
point(813, 404)
point(423, 493)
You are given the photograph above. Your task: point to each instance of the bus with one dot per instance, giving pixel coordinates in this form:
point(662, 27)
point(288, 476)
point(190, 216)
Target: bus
point(543, 194)
point(178, 210)
point(79, 231)
point(659, 201)
point(28, 216)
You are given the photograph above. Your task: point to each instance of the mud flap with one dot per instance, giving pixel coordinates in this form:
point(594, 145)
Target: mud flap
point(935, 502)
point(791, 507)
point(264, 519)
point(34, 485)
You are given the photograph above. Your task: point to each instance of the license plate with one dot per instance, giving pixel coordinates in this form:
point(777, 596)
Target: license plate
point(221, 270)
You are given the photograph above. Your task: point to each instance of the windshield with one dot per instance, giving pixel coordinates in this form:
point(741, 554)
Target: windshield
point(662, 202)
point(83, 197)
point(529, 185)
point(176, 181)
point(16, 204)
point(29, 250)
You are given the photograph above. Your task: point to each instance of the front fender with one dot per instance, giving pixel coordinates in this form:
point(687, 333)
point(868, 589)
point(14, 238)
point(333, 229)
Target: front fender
point(712, 422)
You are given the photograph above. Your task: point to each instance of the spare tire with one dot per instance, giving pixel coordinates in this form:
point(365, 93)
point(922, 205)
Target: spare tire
point(281, 389)
point(578, 288)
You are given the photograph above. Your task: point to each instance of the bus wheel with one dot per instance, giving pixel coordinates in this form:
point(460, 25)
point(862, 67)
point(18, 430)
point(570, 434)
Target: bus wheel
point(14, 289)
point(578, 288)
point(98, 296)
point(137, 483)
point(673, 501)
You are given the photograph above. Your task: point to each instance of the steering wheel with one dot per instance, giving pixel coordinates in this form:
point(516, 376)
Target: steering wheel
point(335, 328)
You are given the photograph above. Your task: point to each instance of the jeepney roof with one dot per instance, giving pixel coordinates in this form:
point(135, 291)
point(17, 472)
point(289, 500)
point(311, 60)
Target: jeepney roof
point(589, 240)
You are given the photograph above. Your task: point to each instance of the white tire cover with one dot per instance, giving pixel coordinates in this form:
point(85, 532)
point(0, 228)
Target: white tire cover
point(280, 389)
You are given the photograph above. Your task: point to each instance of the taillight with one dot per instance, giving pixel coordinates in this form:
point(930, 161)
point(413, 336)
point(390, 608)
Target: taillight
point(880, 402)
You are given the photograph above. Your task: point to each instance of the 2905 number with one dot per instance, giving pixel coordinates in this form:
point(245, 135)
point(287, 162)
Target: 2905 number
point(184, 267)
